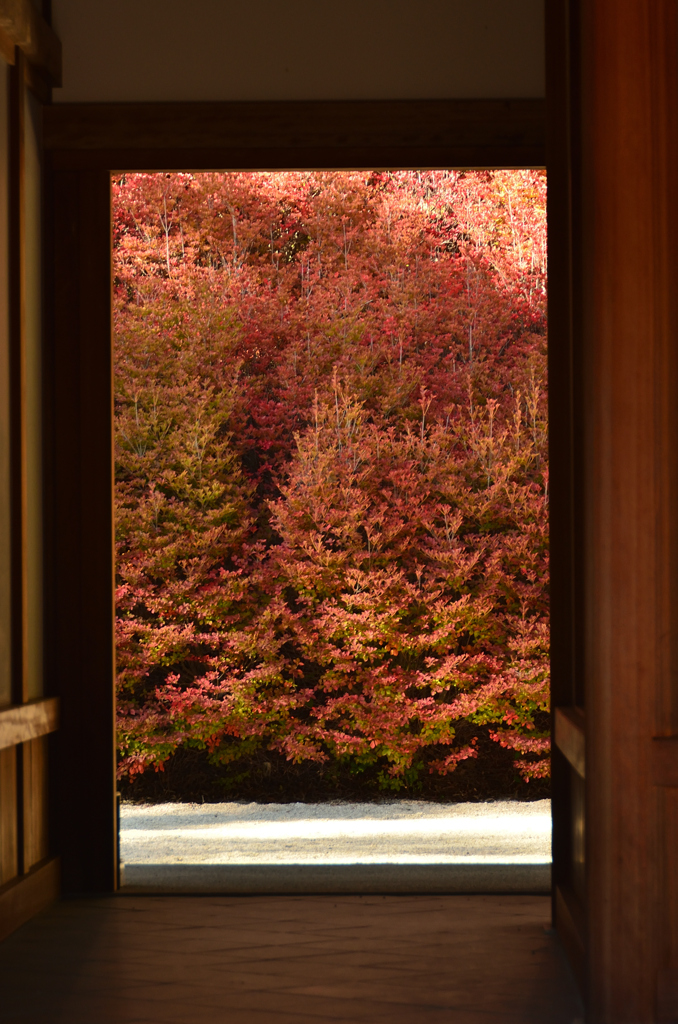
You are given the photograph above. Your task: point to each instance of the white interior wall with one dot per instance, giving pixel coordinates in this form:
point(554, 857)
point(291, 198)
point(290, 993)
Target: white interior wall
point(154, 50)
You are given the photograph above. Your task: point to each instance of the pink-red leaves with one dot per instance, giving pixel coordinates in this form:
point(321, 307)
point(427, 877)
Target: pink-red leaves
point(331, 466)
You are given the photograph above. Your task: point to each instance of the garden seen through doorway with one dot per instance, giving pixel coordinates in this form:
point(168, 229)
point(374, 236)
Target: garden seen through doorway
point(331, 486)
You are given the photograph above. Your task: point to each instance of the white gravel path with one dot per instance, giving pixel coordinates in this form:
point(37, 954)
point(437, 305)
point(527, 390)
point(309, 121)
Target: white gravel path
point(398, 832)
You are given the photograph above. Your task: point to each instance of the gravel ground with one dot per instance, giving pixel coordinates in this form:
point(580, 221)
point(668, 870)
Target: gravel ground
point(400, 832)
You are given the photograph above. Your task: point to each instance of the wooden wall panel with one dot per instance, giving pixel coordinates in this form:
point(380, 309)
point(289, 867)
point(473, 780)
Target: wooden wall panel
point(9, 847)
point(23, 771)
point(35, 810)
point(19, 902)
point(667, 976)
point(629, 108)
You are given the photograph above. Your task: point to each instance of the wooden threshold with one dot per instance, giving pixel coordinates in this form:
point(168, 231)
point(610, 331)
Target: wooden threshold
point(27, 895)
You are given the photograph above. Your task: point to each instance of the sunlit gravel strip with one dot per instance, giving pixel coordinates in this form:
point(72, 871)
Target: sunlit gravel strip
point(397, 832)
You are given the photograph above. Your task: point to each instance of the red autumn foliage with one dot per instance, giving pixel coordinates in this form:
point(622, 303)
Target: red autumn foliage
point(331, 467)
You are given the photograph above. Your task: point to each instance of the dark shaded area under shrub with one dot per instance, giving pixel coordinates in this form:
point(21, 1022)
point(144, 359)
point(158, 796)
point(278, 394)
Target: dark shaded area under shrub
point(268, 777)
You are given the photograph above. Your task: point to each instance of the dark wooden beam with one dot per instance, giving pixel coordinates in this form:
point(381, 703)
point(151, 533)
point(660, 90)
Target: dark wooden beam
point(303, 135)
point(7, 48)
point(23, 26)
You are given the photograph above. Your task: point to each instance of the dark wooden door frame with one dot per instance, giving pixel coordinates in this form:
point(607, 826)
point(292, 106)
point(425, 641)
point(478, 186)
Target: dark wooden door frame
point(84, 144)
point(298, 135)
point(566, 459)
point(613, 373)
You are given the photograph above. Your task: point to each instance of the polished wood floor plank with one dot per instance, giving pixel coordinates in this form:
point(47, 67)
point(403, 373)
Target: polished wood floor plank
point(289, 960)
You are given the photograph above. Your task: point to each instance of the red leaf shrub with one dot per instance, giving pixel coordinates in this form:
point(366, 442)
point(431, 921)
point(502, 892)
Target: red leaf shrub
point(331, 467)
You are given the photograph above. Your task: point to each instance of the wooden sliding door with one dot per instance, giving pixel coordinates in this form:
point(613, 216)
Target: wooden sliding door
point(613, 267)
point(629, 154)
point(29, 55)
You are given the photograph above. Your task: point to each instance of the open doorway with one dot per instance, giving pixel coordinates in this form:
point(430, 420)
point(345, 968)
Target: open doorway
point(332, 522)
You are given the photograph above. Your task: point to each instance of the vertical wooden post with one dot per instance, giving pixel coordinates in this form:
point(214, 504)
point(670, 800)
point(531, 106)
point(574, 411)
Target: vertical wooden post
point(565, 460)
point(17, 329)
point(629, 110)
point(79, 546)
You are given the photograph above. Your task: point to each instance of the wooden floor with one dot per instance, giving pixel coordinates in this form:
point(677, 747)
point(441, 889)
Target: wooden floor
point(288, 960)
